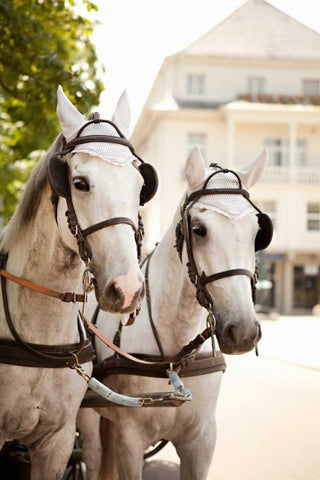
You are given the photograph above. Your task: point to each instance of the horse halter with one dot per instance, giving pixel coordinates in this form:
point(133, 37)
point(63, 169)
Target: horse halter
point(58, 174)
point(183, 234)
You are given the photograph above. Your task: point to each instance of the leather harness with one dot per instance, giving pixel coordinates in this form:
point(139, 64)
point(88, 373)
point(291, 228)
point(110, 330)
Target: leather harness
point(187, 361)
point(19, 352)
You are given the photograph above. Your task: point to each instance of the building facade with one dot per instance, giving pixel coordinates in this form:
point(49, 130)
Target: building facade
point(252, 81)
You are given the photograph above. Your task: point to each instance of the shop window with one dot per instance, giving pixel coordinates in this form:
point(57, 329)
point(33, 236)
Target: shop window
point(265, 294)
point(306, 286)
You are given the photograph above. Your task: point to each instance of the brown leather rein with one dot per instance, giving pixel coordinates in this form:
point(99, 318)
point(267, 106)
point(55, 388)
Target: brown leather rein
point(63, 296)
point(155, 366)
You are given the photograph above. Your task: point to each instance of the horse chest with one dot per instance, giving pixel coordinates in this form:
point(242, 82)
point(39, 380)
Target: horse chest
point(34, 401)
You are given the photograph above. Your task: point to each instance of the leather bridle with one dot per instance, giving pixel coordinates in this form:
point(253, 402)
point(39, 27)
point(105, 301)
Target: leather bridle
point(62, 355)
point(183, 231)
point(83, 245)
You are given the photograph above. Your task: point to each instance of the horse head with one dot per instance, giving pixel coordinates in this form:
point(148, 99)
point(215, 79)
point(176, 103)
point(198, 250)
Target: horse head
point(222, 229)
point(103, 182)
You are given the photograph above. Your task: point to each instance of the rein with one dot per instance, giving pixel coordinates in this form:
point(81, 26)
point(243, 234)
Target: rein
point(63, 296)
point(185, 362)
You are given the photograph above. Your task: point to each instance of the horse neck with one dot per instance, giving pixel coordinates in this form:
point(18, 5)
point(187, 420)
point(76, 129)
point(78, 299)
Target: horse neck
point(39, 256)
point(175, 310)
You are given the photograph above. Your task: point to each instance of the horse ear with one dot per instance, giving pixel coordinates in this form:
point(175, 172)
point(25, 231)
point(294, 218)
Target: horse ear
point(251, 173)
point(122, 114)
point(70, 119)
point(195, 168)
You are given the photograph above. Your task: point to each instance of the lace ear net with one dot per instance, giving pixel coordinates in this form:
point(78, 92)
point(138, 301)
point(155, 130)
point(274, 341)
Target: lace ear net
point(264, 234)
point(58, 169)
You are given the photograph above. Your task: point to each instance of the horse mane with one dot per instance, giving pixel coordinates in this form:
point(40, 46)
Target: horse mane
point(30, 199)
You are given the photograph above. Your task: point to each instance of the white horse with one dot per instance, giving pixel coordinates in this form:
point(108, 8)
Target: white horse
point(38, 405)
point(224, 231)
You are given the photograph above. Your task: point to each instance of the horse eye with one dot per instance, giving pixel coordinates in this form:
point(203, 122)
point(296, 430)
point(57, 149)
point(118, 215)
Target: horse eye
point(81, 184)
point(199, 230)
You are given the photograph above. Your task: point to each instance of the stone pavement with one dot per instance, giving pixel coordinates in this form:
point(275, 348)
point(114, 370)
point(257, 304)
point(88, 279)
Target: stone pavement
point(268, 412)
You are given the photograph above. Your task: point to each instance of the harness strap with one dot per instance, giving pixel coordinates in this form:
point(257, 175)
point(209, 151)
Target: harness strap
point(63, 296)
point(95, 138)
point(59, 358)
point(148, 300)
point(227, 273)
point(109, 223)
point(12, 353)
point(187, 352)
point(202, 364)
point(216, 191)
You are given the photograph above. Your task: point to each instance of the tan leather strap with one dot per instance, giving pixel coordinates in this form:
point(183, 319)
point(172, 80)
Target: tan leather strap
point(111, 345)
point(202, 364)
point(187, 352)
point(63, 296)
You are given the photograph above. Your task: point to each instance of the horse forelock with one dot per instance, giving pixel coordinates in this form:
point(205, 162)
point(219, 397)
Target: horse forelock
point(30, 199)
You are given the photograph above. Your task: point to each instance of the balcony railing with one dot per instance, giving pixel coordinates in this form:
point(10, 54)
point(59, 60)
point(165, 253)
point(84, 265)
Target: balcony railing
point(282, 99)
point(285, 174)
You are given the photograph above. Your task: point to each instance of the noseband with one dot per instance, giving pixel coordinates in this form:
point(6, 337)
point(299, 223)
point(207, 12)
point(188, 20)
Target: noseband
point(183, 234)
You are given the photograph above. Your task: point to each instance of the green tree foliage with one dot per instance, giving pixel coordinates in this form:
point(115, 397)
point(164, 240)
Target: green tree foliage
point(43, 43)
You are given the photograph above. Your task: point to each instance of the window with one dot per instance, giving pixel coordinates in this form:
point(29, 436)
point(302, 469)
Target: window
point(313, 217)
point(310, 88)
point(279, 151)
point(256, 85)
point(270, 208)
point(197, 139)
point(306, 286)
point(196, 84)
point(301, 158)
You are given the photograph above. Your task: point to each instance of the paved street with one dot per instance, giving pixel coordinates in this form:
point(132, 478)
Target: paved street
point(269, 410)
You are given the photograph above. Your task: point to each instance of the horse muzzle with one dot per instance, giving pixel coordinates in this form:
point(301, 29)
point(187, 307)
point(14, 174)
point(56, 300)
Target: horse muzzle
point(236, 339)
point(123, 294)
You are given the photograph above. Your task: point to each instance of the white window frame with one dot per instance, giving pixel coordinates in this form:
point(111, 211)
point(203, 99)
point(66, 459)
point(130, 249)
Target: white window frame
point(256, 85)
point(197, 139)
point(311, 87)
point(196, 84)
point(313, 217)
point(278, 148)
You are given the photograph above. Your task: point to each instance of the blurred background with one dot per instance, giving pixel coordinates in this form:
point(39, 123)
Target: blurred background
point(232, 77)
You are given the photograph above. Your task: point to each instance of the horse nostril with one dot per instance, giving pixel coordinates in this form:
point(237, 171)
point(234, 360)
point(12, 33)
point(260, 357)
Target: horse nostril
point(114, 293)
point(229, 333)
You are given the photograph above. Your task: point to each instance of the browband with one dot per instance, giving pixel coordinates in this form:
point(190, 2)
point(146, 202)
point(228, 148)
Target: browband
point(68, 147)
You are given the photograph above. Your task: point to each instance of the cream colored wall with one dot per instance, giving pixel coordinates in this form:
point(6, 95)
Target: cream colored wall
point(291, 234)
point(226, 82)
point(312, 135)
point(167, 150)
point(250, 137)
